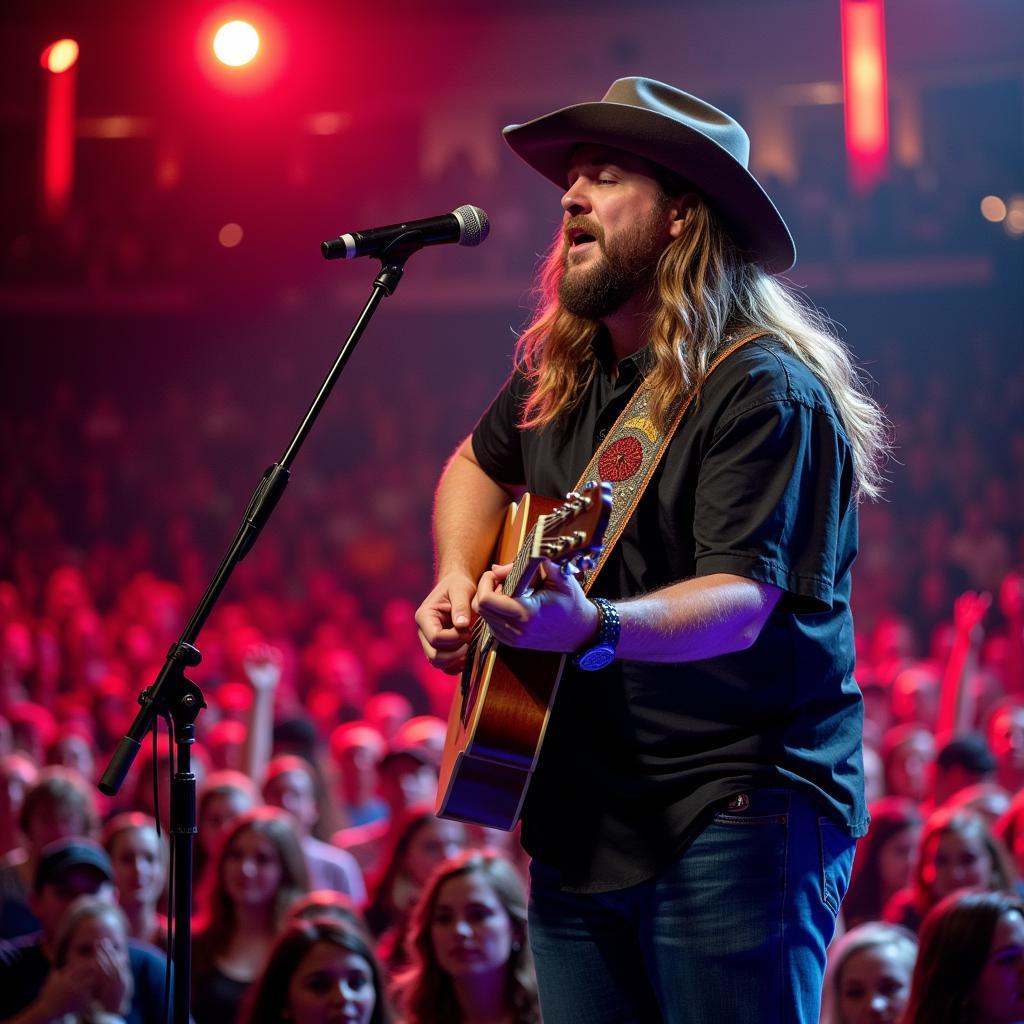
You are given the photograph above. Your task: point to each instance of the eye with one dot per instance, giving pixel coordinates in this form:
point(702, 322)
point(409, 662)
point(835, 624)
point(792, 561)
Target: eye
point(357, 981)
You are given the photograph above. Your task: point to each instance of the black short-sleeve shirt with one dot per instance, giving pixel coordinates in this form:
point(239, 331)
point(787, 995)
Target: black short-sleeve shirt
point(757, 481)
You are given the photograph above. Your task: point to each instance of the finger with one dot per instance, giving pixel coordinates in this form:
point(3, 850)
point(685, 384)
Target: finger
point(555, 579)
point(501, 571)
point(490, 601)
point(442, 658)
point(460, 599)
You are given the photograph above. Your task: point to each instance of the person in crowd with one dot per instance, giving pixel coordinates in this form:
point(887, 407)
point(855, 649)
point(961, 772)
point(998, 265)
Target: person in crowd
point(988, 799)
point(90, 956)
point(33, 728)
point(329, 903)
point(419, 842)
point(908, 754)
point(31, 991)
point(874, 773)
point(1009, 829)
point(74, 747)
point(260, 870)
point(407, 777)
point(970, 966)
point(289, 784)
point(223, 798)
point(957, 851)
point(356, 748)
point(961, 762)
point(885, 858)
point(469, 959)
point(867, 980)
point(225, 743)
point(319, 972)
point(59, 806)
point(385, 711)
point(426, 732)
point(17, 775)
point(914, 693)
point(139, 856)
point(1004, 731)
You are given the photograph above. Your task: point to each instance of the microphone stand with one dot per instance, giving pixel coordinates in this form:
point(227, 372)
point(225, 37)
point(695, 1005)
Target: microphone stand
point(175, 697)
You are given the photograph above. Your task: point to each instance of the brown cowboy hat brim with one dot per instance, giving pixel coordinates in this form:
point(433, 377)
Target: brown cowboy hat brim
point(546, 143)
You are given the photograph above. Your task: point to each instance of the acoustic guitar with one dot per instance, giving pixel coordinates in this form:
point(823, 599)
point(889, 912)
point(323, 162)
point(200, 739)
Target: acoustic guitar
point(501, 708)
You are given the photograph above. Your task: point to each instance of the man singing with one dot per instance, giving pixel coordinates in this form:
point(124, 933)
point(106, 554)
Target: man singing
point(693, 814)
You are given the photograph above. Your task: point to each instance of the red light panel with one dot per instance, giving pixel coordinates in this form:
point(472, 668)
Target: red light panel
point(865, 90)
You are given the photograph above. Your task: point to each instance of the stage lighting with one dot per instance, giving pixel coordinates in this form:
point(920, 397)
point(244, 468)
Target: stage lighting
point(236, 43)
point(60, 56)
point(993, 209)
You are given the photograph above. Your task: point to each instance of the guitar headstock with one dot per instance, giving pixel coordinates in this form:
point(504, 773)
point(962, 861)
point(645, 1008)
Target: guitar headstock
point(573, 534)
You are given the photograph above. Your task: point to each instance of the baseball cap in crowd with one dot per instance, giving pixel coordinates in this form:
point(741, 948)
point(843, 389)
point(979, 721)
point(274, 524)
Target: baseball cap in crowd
point(59, 858)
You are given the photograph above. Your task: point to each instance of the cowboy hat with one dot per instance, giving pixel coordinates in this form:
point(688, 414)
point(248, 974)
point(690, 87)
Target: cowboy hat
point(693, 139)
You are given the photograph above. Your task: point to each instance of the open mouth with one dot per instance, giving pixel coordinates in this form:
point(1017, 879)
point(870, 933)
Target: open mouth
point(578, 238)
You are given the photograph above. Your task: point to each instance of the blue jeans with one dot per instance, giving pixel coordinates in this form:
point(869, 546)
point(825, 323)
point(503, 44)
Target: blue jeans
point(734, 932)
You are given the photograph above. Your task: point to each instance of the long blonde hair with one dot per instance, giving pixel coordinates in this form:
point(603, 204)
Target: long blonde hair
point(706, 292)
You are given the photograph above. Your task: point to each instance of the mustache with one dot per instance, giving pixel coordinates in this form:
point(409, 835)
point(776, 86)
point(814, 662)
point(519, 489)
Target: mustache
point(581, 223)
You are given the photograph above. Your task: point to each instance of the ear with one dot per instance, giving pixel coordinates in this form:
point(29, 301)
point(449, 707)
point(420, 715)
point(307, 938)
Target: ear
point(681, 210)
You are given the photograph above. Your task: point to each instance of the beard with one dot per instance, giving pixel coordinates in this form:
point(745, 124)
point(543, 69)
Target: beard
point(625, 268)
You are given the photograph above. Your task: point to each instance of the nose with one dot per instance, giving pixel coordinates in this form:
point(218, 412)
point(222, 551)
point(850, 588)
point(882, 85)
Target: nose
point(575, 201)
point(463, 927)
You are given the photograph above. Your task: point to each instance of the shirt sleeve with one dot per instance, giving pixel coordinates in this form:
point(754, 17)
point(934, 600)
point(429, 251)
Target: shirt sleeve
point(497, 440)
point(772, 490)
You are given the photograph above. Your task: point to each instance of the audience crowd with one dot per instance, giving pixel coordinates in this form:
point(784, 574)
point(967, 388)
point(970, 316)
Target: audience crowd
point(322, 876)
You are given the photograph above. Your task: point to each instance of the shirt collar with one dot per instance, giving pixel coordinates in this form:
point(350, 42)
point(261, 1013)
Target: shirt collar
point(641, 361)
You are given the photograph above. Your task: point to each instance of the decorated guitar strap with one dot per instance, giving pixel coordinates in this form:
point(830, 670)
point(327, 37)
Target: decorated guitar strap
point(629, 455)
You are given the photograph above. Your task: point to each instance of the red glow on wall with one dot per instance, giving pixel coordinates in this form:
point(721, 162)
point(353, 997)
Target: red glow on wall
point(58, 159)
point(865, 90)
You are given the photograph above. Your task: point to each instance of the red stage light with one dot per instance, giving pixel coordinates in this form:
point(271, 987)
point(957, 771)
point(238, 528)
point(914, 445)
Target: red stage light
point(59, 56)
point(58, 151)
point(241, 47)
point(865, 90)
point(236, 43)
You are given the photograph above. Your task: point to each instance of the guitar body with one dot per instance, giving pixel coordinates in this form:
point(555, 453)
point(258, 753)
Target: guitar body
point(500, 711)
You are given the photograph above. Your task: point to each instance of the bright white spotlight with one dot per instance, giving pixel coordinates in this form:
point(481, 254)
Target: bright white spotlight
point(236, 43)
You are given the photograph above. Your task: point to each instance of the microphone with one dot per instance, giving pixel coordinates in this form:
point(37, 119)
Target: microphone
point(468, 225)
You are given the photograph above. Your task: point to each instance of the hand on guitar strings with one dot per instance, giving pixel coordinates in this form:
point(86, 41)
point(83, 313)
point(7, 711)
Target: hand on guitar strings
point(444, 621)
point(553, 615)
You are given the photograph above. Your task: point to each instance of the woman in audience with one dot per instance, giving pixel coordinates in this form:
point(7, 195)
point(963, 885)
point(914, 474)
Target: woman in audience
point(420, 842)
point(867, 980)
point(470, 962)
point(223, 798)
point(971, 962)
point(329, 903)
point(319, 972)
point(957, 851)
point(139, 858)
point(259, 872)
point(91, 953)
point(885, 859)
